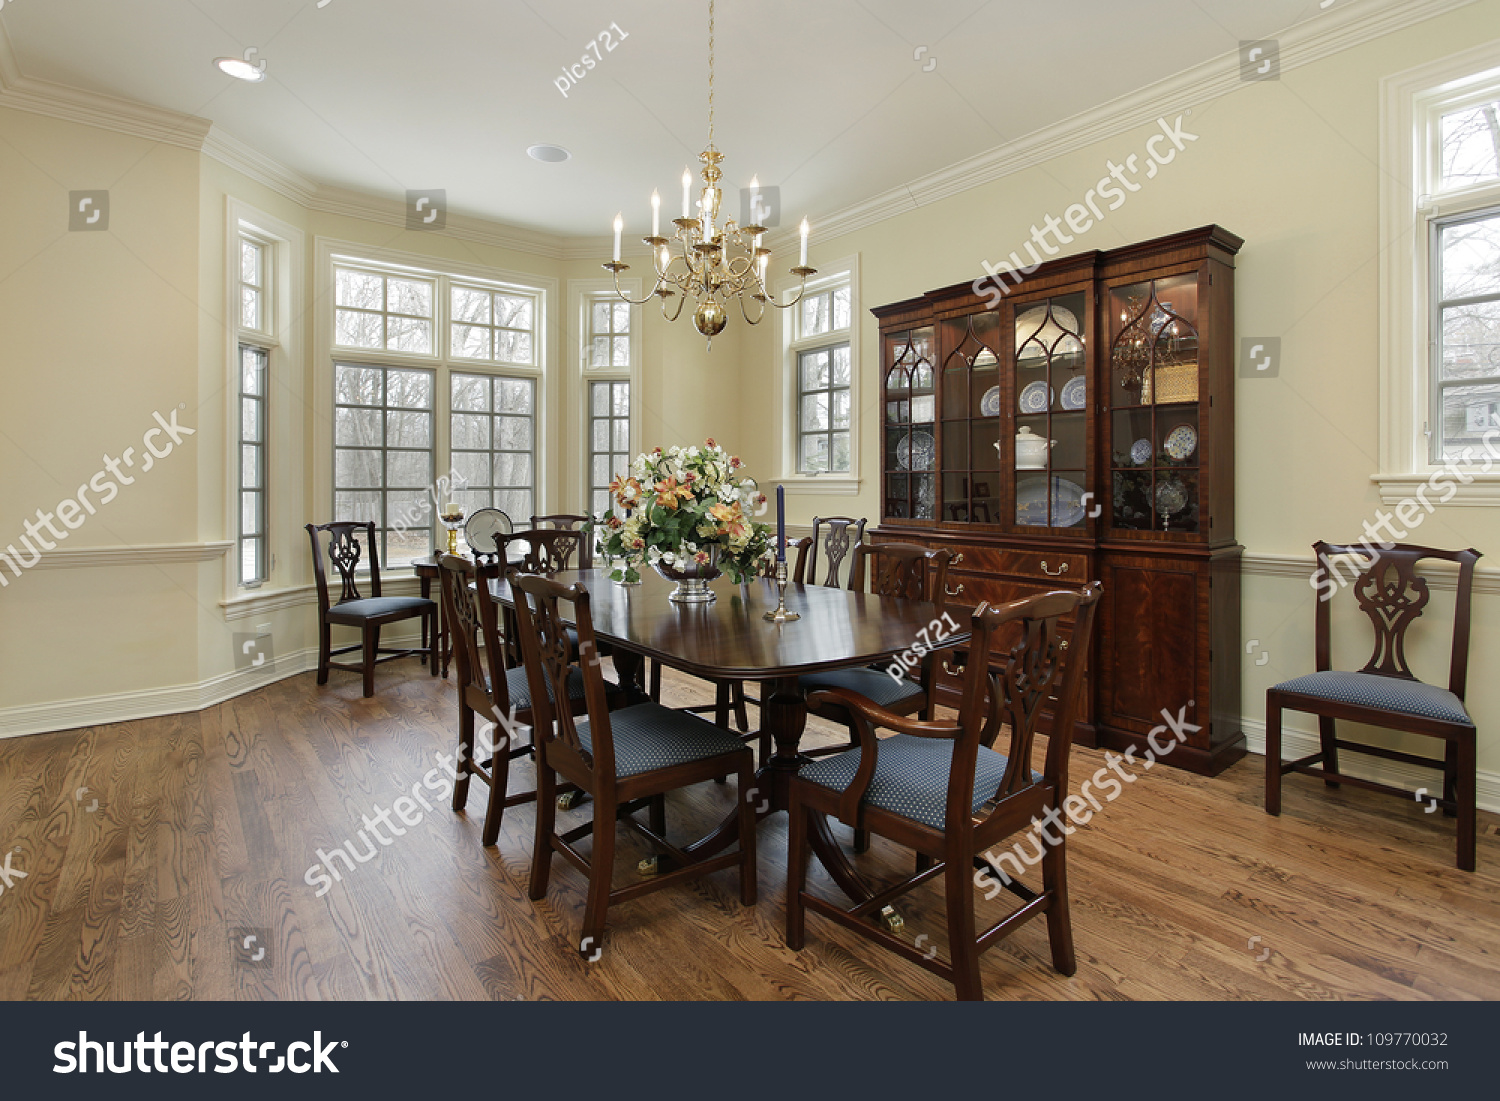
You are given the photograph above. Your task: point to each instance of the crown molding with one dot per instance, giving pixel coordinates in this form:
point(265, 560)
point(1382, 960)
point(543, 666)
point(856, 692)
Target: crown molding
point(123, 116)
point(1318, 37)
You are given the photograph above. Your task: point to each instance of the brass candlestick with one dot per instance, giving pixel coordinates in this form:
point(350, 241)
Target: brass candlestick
point(781, 615)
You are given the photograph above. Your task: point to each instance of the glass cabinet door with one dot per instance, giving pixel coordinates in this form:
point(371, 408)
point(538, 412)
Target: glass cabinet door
point(910, 426)
point(970, 419)
point(1153, 381)
point(1048, 422)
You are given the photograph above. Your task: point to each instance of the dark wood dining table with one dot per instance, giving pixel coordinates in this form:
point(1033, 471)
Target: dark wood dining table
point(731, 640)
point(427, 572)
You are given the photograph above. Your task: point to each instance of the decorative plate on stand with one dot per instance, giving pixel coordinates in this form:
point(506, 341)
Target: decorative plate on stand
point(1181, 442)
point(989, 405)
point(1035, 397)
point(483, 526)
point(1075, 393)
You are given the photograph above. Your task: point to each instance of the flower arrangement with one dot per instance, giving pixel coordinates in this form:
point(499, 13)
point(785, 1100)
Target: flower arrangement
point(681, 508)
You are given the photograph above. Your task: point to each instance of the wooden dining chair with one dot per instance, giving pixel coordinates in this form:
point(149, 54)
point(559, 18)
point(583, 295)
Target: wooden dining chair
point(941, 788)
point(566, 521)
point(832, 539)
point(1385, 693)
point(626, 760)
point(367, 614)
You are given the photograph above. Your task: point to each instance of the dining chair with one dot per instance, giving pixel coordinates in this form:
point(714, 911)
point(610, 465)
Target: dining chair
point(903, 571)
point(941, 788)
point(626, 760)
point(1385, 693)
point(367, 613)
point(487, 688)
point(832, 539)
point(566, 521)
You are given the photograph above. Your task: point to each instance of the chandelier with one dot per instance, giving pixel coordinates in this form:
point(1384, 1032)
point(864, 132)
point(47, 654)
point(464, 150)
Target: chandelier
point(709, 261)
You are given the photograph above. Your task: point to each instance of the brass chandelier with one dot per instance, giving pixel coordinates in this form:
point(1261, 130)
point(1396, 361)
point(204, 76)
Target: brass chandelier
point(706, 260)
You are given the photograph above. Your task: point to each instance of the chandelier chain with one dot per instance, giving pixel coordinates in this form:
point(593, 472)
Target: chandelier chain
point(710, 73)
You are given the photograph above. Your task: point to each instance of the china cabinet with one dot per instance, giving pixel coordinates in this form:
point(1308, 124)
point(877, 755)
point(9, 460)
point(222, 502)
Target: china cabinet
point(1079, 427)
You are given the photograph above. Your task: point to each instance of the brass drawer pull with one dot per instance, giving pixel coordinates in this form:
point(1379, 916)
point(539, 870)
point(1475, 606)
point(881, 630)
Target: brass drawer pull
point(951, 671)
point(1060, 570)
point(1063, 645)
point(954, 592)
point(957, 558)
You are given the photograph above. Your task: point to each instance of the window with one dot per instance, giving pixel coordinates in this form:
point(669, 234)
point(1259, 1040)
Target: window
point(379, 311)
point(383, 455)
point(1466, 328)
point(609, 439)
point(1440, 272)
point(492, 427)
point(434, 371)
point(253, 346)
point(492, 326)
point(608, 351)
point(254, 566)
point(824, 374)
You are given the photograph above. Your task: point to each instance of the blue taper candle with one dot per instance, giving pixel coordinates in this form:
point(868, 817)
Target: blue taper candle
point(780, 524)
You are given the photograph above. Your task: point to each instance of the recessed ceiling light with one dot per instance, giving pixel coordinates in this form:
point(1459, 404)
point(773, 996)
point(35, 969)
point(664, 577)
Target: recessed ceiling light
point(241, 69)
point(548, 154)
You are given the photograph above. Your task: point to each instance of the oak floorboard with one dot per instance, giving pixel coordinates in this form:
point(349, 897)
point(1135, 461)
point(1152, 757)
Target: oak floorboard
point(207, 823)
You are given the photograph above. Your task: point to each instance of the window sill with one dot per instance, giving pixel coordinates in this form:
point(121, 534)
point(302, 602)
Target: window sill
point(822, 486)
point(1481, 491)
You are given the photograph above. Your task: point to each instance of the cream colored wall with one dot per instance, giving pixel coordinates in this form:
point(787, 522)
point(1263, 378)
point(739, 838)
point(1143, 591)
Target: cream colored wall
point(1291, 166)
point(99, 332)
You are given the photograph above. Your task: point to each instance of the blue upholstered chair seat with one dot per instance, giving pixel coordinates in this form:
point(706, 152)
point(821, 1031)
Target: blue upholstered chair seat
point(355, 611)
point(880, 688)
point(649, 736)
point(1387, 693)
point(520, 687)
point(911, 776)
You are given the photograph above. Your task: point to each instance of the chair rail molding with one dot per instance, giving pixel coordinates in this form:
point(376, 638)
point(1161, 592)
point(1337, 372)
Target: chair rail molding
point(148, 554)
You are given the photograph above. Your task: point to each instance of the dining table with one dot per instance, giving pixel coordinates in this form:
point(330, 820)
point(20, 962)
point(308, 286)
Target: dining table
point(428, 571)
point(731, 639)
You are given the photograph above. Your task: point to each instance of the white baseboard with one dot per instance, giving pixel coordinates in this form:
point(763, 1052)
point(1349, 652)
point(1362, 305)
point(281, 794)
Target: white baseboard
point(1300, 743)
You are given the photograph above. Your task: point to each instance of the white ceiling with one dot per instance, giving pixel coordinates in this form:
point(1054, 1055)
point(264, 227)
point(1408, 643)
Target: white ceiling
point(829, 99)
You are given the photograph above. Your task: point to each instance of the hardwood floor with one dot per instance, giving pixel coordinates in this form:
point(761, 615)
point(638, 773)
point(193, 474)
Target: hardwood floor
point(206, 826)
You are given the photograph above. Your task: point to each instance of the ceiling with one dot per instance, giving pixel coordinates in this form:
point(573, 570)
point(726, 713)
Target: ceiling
point(834, 101)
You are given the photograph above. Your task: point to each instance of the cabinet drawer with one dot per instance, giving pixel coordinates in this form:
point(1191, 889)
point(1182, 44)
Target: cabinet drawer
point(1058, 566)
point(969, 590)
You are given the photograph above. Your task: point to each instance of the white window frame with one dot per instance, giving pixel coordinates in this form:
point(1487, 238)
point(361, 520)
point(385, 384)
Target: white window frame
point(843, 484)
point(282, 434)
point(444, 273)
point(1412, 104)
point(582, 293)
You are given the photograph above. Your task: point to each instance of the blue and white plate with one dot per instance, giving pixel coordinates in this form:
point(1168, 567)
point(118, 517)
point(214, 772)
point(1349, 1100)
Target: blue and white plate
point(1032, 498)
point(1075, 393)
point(1035, 397)
point(1140, 452)
point(989, 405)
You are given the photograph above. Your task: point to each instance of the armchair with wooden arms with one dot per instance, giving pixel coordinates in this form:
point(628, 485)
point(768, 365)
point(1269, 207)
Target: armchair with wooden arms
point(942, 790)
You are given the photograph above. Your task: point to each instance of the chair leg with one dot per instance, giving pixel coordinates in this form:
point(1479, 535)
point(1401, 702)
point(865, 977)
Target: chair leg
point(601, 867)
point(796, 871)
point(1467, 794)
point(1327, 732)
point(465, 761)
point(963, 948)
point(656, 815)
point(426, 653)
point(737, 698)
point(1273, 757)
point(546, 826)
point(430, 640)
point(325, 652)
point(371, 648)
point(1059, 916)
point(655, 689)
point(499, 782)
point(721, 705)
point(748, 877)
point(861, 841)
point(1450, 777)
